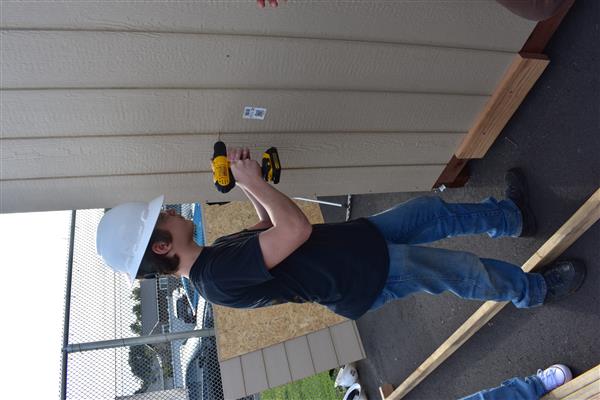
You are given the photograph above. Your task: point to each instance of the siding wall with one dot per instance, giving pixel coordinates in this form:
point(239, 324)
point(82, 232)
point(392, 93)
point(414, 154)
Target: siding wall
point(291, 360)
point(104, 103)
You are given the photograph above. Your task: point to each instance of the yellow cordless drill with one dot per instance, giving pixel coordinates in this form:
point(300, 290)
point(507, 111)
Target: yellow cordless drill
point(223, 178)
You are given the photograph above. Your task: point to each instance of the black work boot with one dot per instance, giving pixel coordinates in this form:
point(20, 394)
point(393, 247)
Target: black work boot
point(518, 192)
point(563, 278)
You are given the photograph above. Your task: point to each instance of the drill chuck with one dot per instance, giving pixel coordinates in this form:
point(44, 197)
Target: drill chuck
point(222, 176)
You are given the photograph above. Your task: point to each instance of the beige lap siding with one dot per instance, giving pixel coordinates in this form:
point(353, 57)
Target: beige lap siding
point(473, 25)
point(109, 103)
point(292, 360)
point(173, 60)
point(108, 191)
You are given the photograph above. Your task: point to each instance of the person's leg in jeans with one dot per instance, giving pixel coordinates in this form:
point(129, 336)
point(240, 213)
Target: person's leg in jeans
point(530, 388)
point(427, 219)
point(425, 269)
point(415, 269)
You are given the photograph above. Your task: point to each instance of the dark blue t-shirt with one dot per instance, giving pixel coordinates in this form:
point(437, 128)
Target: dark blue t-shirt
point(343, 266)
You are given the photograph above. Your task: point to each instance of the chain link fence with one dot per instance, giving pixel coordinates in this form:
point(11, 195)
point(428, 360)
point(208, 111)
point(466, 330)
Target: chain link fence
point(108, 326)
point(103, 307)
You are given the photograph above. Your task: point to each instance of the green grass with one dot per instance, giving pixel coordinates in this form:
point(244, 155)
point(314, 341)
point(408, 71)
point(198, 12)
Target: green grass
point(316, 387)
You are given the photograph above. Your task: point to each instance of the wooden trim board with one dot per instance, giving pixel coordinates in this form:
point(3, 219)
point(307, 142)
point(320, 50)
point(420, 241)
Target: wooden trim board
point(510, 93)
point(385, 390)
point(454, 174)
point(571, 230)
point(544, 30)
point(588, 382)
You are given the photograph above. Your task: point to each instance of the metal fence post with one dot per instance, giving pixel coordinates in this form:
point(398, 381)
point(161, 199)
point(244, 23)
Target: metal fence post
point(137, 340)
point(63, 376)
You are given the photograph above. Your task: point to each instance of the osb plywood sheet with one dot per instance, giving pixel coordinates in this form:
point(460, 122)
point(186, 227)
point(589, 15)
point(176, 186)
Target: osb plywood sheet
point(243, 331)
point(225, 219)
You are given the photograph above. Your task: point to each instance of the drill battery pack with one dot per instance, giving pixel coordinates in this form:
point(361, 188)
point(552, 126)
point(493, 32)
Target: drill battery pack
point(271, 167)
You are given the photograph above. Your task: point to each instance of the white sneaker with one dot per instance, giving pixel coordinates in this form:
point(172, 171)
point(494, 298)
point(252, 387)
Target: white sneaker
point(554, 376)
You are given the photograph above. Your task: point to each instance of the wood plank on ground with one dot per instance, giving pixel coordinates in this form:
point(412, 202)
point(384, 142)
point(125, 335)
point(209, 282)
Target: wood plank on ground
point(587, 392)
point(570, 231)
point(385, 390)
point(516, 83)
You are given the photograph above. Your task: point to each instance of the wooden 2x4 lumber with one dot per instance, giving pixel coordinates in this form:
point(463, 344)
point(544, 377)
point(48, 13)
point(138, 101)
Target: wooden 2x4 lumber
point(543, 31)
point(516, 83)
point(589, 378)
point(385, 390)
point(454, 174)
point(588, 392)
point(566, 235)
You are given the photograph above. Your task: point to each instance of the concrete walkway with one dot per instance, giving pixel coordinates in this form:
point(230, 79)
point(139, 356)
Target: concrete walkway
point(555, 138)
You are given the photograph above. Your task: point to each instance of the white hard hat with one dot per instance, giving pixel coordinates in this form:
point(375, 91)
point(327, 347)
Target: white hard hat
point(124, 233)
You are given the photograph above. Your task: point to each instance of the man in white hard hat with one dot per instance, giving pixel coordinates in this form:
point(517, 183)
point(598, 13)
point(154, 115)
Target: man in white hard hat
point(349, 267)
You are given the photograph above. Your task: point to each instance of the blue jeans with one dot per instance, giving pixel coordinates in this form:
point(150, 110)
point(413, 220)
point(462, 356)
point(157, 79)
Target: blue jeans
point(530, 388)
point(426, 269)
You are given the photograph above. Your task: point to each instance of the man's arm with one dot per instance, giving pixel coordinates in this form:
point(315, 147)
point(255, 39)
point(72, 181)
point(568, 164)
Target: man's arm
point(263, 216)
point(290, 226)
